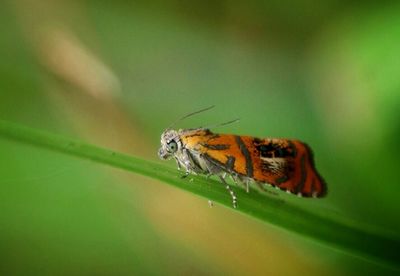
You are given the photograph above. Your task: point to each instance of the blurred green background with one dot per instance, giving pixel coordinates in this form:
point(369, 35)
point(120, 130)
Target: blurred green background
point(116, 74)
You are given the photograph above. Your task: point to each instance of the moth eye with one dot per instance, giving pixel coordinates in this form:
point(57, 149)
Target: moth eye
point(172, 146)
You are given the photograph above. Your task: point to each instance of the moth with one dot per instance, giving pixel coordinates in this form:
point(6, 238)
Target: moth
point(286, 164)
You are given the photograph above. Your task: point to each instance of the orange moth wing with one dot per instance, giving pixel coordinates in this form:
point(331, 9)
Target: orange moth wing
point(283, 163)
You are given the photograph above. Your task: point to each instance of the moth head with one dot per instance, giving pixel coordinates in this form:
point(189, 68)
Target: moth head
point(170, 144)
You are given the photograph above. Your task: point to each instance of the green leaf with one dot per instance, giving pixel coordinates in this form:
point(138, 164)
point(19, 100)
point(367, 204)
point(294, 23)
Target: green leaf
point(328, 228)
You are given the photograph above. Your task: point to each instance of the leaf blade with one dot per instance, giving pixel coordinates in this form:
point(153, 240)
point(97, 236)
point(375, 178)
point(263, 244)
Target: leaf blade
point(337, 232)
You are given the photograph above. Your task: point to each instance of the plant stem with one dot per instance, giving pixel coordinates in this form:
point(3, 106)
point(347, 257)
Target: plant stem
point(329, 229)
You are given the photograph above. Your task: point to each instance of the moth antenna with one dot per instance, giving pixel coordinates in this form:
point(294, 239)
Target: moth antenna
point(190, 114)
point(222, 124)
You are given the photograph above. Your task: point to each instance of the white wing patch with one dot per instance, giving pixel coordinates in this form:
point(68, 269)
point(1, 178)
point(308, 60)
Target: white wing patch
point(276, 165)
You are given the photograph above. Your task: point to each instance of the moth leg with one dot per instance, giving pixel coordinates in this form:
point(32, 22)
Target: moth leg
point(247, 185)
point(260, 185)
point(187, 162)
point(178, 163)
point(234, 178)
point(184, 163)
point(185, 175)
point(242, 180)
point(231, 192)
point(213, 169)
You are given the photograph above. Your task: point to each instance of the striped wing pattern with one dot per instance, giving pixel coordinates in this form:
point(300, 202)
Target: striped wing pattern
point(286, 164)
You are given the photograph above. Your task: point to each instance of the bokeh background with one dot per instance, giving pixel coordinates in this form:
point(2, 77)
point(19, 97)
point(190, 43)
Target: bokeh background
point(117, 73)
